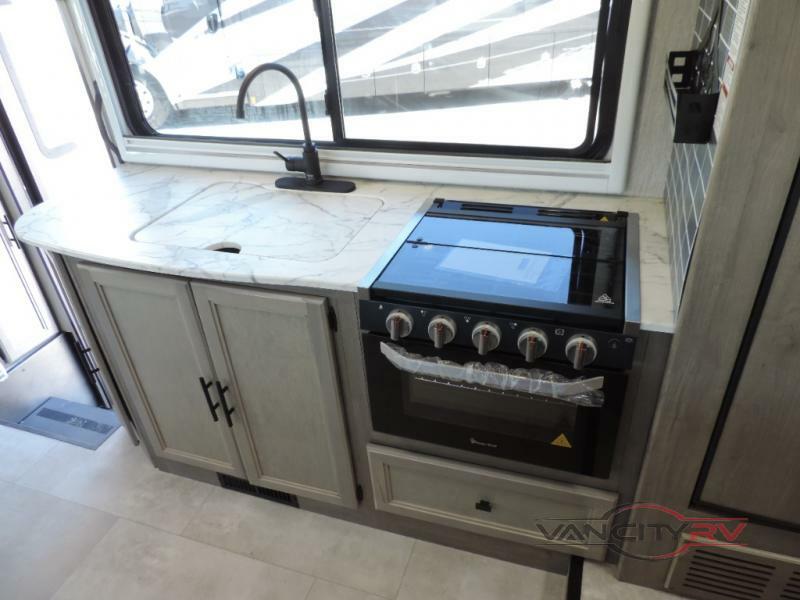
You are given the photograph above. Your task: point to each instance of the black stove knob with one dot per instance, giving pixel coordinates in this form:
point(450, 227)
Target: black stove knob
point(399, 324)
point(532, 343)
point(442, 330)
point(581, 351)
point(486, 337)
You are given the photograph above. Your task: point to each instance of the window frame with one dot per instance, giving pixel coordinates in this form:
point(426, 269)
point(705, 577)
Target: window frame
point(599, 166)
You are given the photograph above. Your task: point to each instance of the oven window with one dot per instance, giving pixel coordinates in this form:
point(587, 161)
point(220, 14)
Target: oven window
point(510, 414)
point(507, 425)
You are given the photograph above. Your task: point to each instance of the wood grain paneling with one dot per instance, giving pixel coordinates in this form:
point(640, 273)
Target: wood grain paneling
point(760, 443)
point(754, 165)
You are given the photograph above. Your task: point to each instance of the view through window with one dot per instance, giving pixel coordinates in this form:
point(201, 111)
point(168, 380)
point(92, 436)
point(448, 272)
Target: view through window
point(505, 73)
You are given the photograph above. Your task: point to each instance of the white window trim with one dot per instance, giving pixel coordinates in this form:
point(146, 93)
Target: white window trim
point(600, 177)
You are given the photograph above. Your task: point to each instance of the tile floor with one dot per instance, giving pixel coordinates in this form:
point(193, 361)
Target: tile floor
point(77, 524)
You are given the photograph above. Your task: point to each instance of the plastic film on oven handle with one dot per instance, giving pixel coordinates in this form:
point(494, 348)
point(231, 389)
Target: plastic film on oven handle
point(539, 382)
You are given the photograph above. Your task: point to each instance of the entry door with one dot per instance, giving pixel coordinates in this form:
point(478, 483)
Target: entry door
point(26, 321)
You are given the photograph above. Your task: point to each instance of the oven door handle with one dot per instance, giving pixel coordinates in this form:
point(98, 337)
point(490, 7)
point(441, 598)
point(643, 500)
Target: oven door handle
point(538, 382)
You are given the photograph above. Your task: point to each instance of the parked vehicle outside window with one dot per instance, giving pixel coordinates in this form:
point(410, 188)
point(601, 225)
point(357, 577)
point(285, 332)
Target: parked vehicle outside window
point(506, 73)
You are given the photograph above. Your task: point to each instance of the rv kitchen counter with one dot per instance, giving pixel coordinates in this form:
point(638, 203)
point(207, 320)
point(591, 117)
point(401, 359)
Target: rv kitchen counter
point(170, 220)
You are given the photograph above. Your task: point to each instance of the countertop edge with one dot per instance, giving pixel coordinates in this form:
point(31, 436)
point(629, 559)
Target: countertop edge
point(306, 283)
point(98, 227)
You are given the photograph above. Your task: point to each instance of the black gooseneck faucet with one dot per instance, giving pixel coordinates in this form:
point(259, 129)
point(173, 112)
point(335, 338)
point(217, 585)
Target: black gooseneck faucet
point(308, 163)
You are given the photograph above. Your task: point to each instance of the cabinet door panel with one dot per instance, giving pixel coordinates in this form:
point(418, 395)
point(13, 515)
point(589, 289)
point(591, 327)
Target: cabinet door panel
point(149, 329)
point(754, 469)
point(275, 353)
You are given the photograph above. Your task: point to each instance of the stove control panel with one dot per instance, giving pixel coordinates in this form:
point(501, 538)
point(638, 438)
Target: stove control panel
point(534, 340)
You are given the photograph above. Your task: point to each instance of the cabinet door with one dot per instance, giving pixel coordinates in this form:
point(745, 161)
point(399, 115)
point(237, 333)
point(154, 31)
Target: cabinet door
point(754, 467)
point(149, 330)
point(275, 353)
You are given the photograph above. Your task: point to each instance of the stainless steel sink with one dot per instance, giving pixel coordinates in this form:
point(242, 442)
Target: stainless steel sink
point(254, 219)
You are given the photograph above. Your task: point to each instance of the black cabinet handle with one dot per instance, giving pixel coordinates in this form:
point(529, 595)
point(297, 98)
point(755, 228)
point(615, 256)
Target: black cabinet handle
point(225, 410)
point(483, 505)
point(211, 406)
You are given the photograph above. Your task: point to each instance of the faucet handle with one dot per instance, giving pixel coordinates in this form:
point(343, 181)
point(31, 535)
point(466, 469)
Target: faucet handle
point(293, 163)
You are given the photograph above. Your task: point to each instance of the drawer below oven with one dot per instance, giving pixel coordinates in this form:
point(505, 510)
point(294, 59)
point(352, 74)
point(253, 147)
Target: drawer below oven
point(496, 503)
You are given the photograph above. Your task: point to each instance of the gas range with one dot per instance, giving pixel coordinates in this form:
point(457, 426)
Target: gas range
point(495, 333)
point(545, 283)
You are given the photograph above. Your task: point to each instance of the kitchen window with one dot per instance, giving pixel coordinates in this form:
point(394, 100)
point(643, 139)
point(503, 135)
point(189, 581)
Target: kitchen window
point(525, 78)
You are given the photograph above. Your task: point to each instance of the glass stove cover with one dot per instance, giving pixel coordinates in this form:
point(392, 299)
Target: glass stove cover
point(516, 264)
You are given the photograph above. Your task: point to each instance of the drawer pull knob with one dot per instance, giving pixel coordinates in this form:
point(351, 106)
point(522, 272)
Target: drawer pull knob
point(483, 505)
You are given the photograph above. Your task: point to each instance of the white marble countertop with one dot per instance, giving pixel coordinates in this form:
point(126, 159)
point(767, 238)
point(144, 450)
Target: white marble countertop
point(335, 248)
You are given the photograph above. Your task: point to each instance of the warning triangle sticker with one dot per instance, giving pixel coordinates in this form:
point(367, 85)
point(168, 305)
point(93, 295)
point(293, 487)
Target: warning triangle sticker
point(561, 441)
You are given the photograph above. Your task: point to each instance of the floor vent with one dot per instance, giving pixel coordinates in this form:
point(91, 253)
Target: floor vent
point(734, 573)
point(70, 419)
point(792, 589)
point(244, 486)
point(72, 422)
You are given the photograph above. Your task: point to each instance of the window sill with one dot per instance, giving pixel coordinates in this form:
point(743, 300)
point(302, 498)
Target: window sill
point(598, 177)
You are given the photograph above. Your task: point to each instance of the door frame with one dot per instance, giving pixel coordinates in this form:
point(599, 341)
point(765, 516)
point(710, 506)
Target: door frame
point(19, 192)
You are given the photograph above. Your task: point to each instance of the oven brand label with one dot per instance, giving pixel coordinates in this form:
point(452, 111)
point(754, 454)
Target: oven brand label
point(561, 441)
point(475, 442)
point(604, 299)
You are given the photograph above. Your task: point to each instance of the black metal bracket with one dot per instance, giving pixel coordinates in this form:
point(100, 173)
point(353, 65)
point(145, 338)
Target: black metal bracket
point(693, 111)
point(226, 410)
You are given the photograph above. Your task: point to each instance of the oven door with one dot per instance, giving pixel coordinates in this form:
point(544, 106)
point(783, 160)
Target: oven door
point(513, 425)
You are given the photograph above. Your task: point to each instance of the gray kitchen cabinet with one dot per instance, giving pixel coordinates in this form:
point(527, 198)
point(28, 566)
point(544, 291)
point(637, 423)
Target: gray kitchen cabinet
point(267, 359)
point(149, 330)
point(274, 353)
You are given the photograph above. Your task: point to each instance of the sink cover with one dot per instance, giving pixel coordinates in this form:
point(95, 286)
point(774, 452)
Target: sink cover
point(264, 221)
